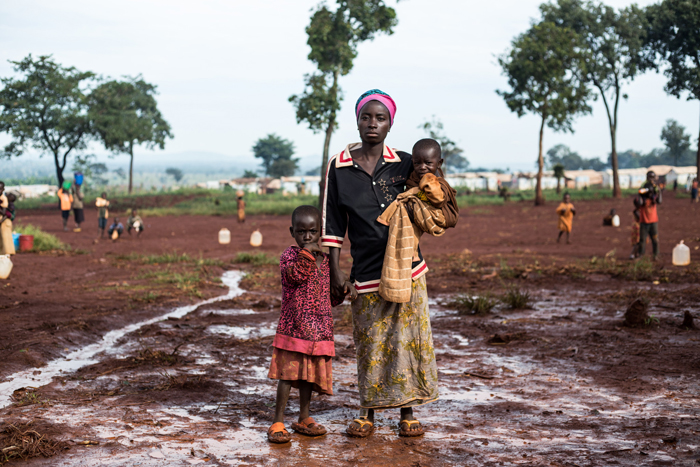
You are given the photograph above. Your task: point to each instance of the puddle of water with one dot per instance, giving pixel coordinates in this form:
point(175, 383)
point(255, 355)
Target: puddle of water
point(229, 312)
point(243, 332)
point(86, 355)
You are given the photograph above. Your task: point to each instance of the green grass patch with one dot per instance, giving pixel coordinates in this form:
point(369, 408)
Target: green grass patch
point(516, 299)
point(256, 259)
point(43, 241)
point(469, 305)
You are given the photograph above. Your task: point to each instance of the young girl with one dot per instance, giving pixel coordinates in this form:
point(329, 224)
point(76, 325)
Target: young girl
point(303, 345)
point(566, 213)
point(102, 213)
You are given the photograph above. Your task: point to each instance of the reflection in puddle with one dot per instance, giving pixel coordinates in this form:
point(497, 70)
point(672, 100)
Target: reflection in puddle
point(243, 332)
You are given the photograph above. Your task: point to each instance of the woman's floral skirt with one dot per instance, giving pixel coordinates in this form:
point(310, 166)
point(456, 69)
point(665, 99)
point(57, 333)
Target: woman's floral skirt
point(395, 356)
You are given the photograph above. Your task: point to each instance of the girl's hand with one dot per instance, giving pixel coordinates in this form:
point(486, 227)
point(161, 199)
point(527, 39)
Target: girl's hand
point(313, 248)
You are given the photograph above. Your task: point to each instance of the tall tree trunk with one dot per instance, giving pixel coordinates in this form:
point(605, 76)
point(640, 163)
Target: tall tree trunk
point(558, 185)
point(697, 160)
point(131, 165)
point(59, 169)
point(612, 125)
point(539, 197)
point(327, 143)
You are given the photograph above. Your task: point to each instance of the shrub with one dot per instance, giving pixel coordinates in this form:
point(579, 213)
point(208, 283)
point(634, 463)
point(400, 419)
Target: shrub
point(255, 259)
point(43, 241)
point(479, 305)
point(517, 299)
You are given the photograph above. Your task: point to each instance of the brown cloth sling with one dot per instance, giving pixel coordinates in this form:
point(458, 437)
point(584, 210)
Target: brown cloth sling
point(404, 235)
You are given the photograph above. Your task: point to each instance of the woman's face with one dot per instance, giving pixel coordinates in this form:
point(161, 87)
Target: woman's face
point(374, 122)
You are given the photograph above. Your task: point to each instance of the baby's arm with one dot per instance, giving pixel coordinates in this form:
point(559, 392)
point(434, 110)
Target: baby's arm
point(433, 190)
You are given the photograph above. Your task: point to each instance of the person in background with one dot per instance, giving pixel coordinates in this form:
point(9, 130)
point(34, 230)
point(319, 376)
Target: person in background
point(609, 220)
point(116, 229)
point(635, 235)
point(102, 213)
point(134, 222)
point(675, 185)
point(650, 196)
point(566, 213)
point(241, 207)
point(7, 214)
point(66, 199)
point(78, 213)
point(694, 191)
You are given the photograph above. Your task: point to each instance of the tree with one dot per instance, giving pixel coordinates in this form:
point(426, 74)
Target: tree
point(571, 160)
point(615, 42)
point(676, 140)
point(92, 171)
point(46, 109)
point(451, 153)
point(276, 154)
point(125, 114)
point(544, 69)
point(333, 38)
point(176, 173)
point(559, 174)
point(250, 174)
point(674, 38)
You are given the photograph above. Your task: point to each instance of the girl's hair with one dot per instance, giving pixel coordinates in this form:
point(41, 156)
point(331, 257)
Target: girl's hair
point(566, 193)
point(305, 210)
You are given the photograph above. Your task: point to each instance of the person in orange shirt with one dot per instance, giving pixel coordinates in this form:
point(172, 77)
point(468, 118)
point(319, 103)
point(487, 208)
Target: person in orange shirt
point(566, 213)
point(66, 199)
point(646, 201)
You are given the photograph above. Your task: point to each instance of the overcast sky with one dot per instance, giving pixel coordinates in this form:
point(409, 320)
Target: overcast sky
point(225, 70)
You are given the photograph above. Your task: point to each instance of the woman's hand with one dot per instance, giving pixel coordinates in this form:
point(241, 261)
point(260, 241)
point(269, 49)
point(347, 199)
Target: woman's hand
point(338, 277)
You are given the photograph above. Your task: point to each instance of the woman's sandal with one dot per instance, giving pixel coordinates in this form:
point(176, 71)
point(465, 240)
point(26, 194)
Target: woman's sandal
point(278, 434)
point(361, 432)
point(309, 427)
point(407, 431)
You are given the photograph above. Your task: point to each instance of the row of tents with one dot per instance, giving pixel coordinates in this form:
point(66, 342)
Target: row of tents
point(481, 181)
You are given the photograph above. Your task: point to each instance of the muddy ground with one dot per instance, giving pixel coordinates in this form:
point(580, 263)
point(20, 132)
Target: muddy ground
point(120, 367)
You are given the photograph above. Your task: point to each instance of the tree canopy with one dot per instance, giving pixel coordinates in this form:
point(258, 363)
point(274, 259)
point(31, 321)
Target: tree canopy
point(544, 69)
point(615, 45)
point(333, 36)
point(570, 160)
point(675, 138)
point(125, 114)
point(175, 173)
point(451, 153)
point(674, 39)
point(46, 109)
point(276, 154)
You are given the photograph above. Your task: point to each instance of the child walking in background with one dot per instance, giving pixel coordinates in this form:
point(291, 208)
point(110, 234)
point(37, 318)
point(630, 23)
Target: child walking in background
point(566, 213)
point(7, 215)
point(134, 222)
point(241, 207)
point(77, 205)
point(102, 213)
point(66, 203)
point(635, 235)
point(303, 347)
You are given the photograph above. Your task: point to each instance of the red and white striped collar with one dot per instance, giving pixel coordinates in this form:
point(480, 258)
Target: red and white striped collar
point(344, 159)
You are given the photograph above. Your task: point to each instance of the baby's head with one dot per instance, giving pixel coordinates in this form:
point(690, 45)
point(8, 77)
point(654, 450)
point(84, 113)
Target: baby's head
point(427, 157)
point(306, 225)
point(567, 198)
point(11, 197)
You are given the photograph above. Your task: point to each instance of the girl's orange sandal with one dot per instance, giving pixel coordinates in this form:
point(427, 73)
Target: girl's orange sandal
point(360, 432)
point(309, 427)
point(406, 430)
point(278, 434)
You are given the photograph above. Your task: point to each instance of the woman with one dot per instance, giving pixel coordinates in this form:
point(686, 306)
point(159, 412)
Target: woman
point(395, 358)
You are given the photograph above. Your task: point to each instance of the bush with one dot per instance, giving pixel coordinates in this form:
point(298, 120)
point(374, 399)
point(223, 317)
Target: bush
point(255, 259)
point(466, 304)
point(42, 241)
point(516, 299)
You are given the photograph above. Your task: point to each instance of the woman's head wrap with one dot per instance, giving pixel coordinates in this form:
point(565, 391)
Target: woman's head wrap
point(376, 95)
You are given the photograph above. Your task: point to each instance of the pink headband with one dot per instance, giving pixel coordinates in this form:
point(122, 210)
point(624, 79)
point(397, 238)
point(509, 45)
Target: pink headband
point(386, 100)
